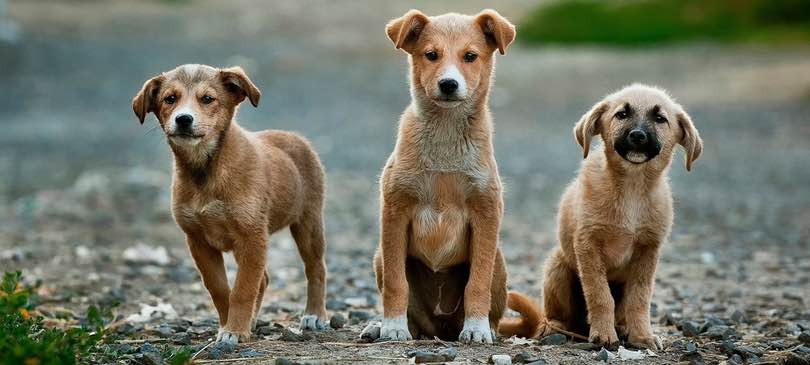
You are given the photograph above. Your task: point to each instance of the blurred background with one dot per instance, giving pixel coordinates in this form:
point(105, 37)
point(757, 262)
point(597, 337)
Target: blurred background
point(81, 181)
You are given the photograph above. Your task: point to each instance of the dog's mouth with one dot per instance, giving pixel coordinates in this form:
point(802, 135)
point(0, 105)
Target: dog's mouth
point(637, 156)
point(447, 102)
point(183, 135)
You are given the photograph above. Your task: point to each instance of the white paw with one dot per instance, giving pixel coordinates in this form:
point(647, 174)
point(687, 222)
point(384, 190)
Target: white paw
point(372, 331)
point(226, 336)
point(395, 329)
point(312, 322)
point(476, 330)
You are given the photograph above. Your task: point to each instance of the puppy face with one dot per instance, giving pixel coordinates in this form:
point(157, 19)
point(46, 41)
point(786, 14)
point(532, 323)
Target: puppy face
point(194, 104)
point(638, 124)
point(451, 55)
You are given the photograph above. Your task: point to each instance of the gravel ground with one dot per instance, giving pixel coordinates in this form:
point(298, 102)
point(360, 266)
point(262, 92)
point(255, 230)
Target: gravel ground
point(84, 190)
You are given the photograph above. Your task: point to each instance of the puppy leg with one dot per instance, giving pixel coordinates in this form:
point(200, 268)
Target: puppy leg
point(637, 296)
point(557, 296)
point(311, 246)
point(259, 299)
point(485, 223)
point(598, 299)
point(372, 329)
point(212, 270)
point(250, 254)
point(498, 305)
point(395, 283)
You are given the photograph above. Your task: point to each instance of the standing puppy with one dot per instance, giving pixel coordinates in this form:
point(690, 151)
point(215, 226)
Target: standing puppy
point(439, 267)
point(232, 188)
point(612, 221)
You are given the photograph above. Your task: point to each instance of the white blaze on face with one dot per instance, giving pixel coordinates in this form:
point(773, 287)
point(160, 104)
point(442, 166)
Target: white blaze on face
point(183, 109)
point(452, 72)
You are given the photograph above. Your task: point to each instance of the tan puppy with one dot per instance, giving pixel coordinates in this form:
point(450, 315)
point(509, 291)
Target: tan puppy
point(233, 188)
point(439, 261)
point(613, 220)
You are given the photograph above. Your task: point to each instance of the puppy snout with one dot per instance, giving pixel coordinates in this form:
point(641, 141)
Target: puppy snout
point(183, 121)
point(448, 86)
point(638, 137)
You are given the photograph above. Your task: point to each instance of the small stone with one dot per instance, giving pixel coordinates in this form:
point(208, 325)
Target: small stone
point(220, 349)
point(738, 316)
point(163, 330)
point(150, 354)
point(803, 350)
point(337, 321)
point(778, 344)
point(719, 332)
point(290, 336)
point(336, 305)
point(793, 359)
point(262, 323)
point(604, 355)
point(521, 358)
point(284, 361)
point(266, 330)
point(690, 328)
point(693, 358)
point(537, 362)
point(690, 347)
point(728, 347)
point(249, 352)
point(448, 353)
point(182, 339)
point(554, 339)
point(736, 359)
point(500, 360)
point(423, 356)
point(357, 316)
point(804, 338)
point(586, 346)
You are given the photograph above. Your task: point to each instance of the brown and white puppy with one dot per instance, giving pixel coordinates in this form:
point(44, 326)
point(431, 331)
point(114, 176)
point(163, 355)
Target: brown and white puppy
point(439, 266)
point(232, 188)
point(613, 220)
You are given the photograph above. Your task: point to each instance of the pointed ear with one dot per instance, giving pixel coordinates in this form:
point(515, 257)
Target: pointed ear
point(146, 100)
point(589, 125)
point(690, 141)
point(237, 82)
point(405, 30)
point(500, 33)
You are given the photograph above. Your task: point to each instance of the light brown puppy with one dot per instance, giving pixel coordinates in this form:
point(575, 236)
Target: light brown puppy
point(613, 220)
point(233, 188)
point(439, 261)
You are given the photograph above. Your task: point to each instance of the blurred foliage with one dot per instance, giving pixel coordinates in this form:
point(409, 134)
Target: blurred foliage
point(24, 339)
point(642, 22)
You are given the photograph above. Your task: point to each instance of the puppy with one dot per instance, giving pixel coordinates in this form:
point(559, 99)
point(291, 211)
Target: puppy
point(613, 220)
point(232, 188)
point(439, 267)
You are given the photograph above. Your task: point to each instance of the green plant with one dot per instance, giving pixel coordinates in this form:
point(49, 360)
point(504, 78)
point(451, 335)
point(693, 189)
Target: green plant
point(25, 340)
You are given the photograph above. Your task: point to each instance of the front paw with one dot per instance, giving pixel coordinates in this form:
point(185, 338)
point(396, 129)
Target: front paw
point(312, 322)
point(232, 337)
point(651, 342)
point(476, 330)
point(603, 335)
point(395, 329)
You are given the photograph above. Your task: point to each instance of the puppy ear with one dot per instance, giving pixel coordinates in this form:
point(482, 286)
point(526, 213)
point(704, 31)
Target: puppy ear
point(500, 33)
point(691, 140)
point(237, 82)
point(146, 100)
point(588, 126)
point(405, 30)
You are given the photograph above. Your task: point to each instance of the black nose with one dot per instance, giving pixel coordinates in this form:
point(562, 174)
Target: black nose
point(183, 121)
point(448, 86)
point(638, 137)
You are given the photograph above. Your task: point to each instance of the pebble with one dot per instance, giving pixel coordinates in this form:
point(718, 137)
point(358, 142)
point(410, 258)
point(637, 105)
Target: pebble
point(521, 358)
point(690, 328)
point(284, 361)
point(690, 347)
point(738, 316)
point(357, 316)
point(693, 358)
point(804, 338)
point(337, 321)
point(586, 346)
point(266, 330)
point(249, 352)
point(220, 349)
point(150, 354)
point(538, 362)
point(719, 332)
point(554, 339)
point(182, 339)
point(793, 359)
point(427, 356)
point(290, 336)
point(736, 359)
point(604, 355)
point(500, 360)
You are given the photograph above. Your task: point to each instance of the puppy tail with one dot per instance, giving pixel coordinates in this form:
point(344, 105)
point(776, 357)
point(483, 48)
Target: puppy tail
point(531, 316)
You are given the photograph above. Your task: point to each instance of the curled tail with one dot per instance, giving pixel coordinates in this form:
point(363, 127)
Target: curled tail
point(531, 316)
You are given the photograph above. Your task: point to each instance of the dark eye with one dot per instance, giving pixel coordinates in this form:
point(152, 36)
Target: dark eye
point(431, 55)
point(170, 99)
point(470, 57)
point(206, 99)
point(621, 115)
point(660, 119)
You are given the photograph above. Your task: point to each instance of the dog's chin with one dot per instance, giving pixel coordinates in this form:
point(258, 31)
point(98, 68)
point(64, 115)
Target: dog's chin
point(186, 140)
point(447, 103)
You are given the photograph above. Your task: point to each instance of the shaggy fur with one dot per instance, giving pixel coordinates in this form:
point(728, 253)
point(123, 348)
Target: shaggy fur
point(233, 188)
point(612, 222)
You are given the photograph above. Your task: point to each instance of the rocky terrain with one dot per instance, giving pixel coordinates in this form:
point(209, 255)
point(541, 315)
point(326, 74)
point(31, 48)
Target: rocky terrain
point(84, 190)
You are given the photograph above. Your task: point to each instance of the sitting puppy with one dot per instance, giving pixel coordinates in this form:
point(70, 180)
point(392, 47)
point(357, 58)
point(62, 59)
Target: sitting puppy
point(232, 188)
point(613, 220)
point(439, 265)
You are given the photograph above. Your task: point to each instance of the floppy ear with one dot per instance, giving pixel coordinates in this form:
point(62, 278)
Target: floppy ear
point(146, 100)
point(690, 141)
point(588, 126)
point(237, 82)
point(405, 30)
point(499, 32)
